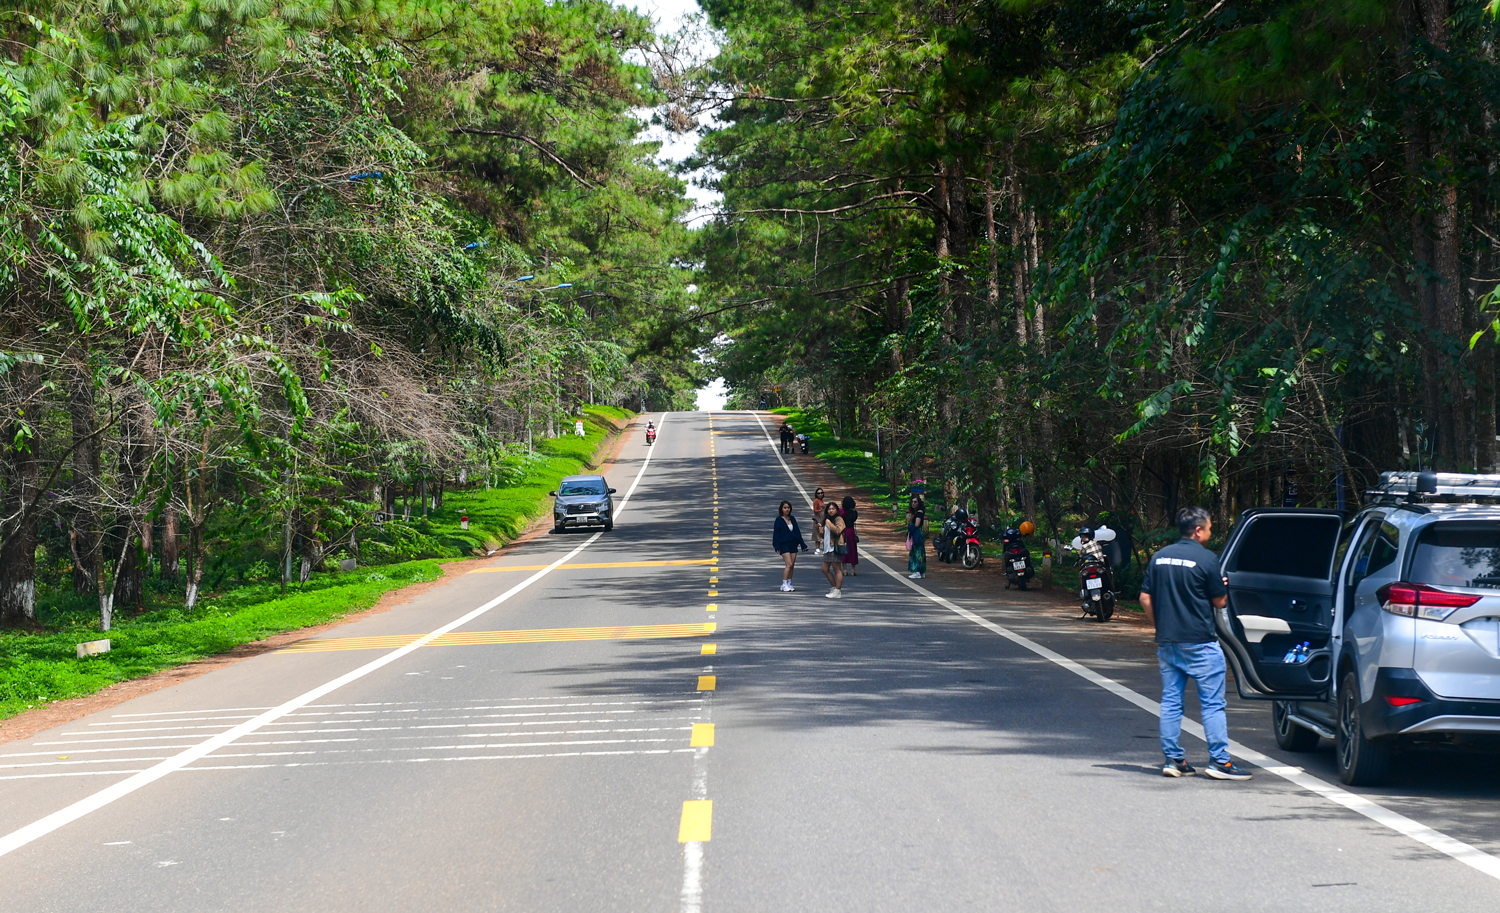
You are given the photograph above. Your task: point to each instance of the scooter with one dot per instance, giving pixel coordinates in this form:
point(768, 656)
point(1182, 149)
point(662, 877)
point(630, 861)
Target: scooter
point(950, 538)
point(1018, 569)
point(650, 436)
point(802, 443)
point(972, 551)
point(1096, 582)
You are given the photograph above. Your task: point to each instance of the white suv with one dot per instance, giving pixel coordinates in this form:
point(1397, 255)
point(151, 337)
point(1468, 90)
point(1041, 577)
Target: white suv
point(1371, 631)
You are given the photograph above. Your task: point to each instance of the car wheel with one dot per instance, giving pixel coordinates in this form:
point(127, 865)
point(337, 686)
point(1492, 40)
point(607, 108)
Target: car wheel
point(609, 525)
point(559, 529)
point(1362, 762)
point(1290, 736)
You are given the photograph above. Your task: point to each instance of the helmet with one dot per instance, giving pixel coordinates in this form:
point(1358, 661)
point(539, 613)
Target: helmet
point(1011, 532)
point(1085, 533)
point(1027, 527)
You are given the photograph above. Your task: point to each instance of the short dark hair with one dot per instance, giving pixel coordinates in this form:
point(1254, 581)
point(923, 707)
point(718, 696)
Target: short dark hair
point(1190, 518)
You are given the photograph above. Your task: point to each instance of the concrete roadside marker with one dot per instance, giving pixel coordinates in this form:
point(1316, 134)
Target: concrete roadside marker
point(93, 648)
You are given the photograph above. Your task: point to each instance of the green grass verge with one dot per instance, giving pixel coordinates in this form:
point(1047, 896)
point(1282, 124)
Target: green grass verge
point(497, 515)
point(36, 668)
point(846, 456)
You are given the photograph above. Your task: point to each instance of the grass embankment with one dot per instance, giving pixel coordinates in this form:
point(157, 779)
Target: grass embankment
point(39, 667)
point(497, 515)
point(846, 456)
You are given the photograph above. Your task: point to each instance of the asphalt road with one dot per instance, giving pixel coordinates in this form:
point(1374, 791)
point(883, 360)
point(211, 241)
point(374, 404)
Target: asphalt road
point(623, 722)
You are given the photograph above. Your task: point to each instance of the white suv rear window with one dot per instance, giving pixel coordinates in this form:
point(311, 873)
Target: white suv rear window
point(1457, 555)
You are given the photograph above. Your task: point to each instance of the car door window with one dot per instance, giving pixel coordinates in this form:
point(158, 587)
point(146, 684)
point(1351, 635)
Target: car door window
point(1360, 567)
point(1384, 547)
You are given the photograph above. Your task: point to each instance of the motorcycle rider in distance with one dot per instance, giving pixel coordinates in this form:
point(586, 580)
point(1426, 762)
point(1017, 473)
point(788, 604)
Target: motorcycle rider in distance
point(650, 431)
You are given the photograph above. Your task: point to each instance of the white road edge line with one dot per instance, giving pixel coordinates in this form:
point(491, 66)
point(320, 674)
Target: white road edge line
point(40, 828)
point(1463, 852)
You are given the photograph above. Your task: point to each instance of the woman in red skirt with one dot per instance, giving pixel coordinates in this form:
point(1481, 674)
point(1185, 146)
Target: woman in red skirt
point(851, 539)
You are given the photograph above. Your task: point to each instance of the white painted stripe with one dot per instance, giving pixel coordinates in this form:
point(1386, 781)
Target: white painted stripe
point(40, 828)
point(1463, 852)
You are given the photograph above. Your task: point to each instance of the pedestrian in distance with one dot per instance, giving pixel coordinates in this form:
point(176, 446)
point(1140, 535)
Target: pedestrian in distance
point(818, 520)
point(1182, 587)
point(916, 538)
point(786, 437)
point(851, 538)
point(833, 547)
point(786, 538)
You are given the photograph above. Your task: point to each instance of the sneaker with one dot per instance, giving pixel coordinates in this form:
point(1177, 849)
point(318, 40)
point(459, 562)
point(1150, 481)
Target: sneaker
point(786, 586)
point(1225, 771)
point(835, 594)
point(1177, 767)
point(913, 576)
point(817, 551)
point(789, 588)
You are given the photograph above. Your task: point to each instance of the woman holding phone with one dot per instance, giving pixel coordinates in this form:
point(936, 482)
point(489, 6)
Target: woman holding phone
point(786, 538)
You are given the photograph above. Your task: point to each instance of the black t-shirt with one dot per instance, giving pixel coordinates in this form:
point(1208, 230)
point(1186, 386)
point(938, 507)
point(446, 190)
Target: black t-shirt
point(1181, 579)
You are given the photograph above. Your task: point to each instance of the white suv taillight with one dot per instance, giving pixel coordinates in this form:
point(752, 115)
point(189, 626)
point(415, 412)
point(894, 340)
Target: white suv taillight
point(1417, 600)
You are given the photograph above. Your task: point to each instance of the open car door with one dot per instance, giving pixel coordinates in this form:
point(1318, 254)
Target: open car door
point(1279, 562)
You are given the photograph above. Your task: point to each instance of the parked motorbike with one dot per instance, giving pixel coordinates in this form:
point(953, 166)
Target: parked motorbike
point(950, 537)
point(802, 442)
point(973, 551)
point(1096, 582)
point(1018, 569)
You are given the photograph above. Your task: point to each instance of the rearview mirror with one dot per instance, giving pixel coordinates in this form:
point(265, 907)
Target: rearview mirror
point(612, 491)
point(551, 494)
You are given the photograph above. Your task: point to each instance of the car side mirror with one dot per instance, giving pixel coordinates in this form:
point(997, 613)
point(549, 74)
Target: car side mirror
point(612, 491)
point(551, 494)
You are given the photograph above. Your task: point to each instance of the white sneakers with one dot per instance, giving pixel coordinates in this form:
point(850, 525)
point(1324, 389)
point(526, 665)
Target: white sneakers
point(914, 576)
point(817, 551)
point(834, 594)
point(786, 587)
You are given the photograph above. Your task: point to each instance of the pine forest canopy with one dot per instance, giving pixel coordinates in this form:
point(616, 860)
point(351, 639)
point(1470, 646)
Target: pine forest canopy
point(265, 262)
point(264, 266)
point(1087, 256)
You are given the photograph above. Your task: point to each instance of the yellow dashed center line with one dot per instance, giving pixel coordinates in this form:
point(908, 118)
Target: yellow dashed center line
point(697, 821)
point(709, 649)
point(703, 735)
point(707, 682)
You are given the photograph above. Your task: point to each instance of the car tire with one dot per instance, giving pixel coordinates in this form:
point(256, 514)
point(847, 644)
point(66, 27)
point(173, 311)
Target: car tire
point(559, 529)
point(1290, 736)
point(1361, 761)
point(609, 525)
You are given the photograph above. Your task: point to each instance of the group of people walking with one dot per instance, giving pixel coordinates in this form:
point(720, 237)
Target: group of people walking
point(835, 541)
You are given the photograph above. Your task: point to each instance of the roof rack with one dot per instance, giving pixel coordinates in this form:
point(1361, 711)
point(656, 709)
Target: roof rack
point(1416, 487)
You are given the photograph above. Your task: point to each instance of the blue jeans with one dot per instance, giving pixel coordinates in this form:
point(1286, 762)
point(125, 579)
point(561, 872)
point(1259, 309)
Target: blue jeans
point(1204, 664)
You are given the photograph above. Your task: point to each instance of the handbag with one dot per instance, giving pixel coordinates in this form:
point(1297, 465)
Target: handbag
point(841, 549)
point(908, 543)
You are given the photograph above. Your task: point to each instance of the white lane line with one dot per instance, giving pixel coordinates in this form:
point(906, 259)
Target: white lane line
point(44, 826)
point(497, 757)
point(1463, 852)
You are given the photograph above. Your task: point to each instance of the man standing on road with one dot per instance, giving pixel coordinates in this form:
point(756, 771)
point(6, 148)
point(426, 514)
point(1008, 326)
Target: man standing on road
point(786, 438)
point(1180, 591)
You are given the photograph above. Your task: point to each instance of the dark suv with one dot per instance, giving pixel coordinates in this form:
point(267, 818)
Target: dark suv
point(582, 501)
point(1373, 630)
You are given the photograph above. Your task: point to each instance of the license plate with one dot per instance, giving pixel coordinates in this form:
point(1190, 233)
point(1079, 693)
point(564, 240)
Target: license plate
point(1094, 583)
point(1018, 565)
